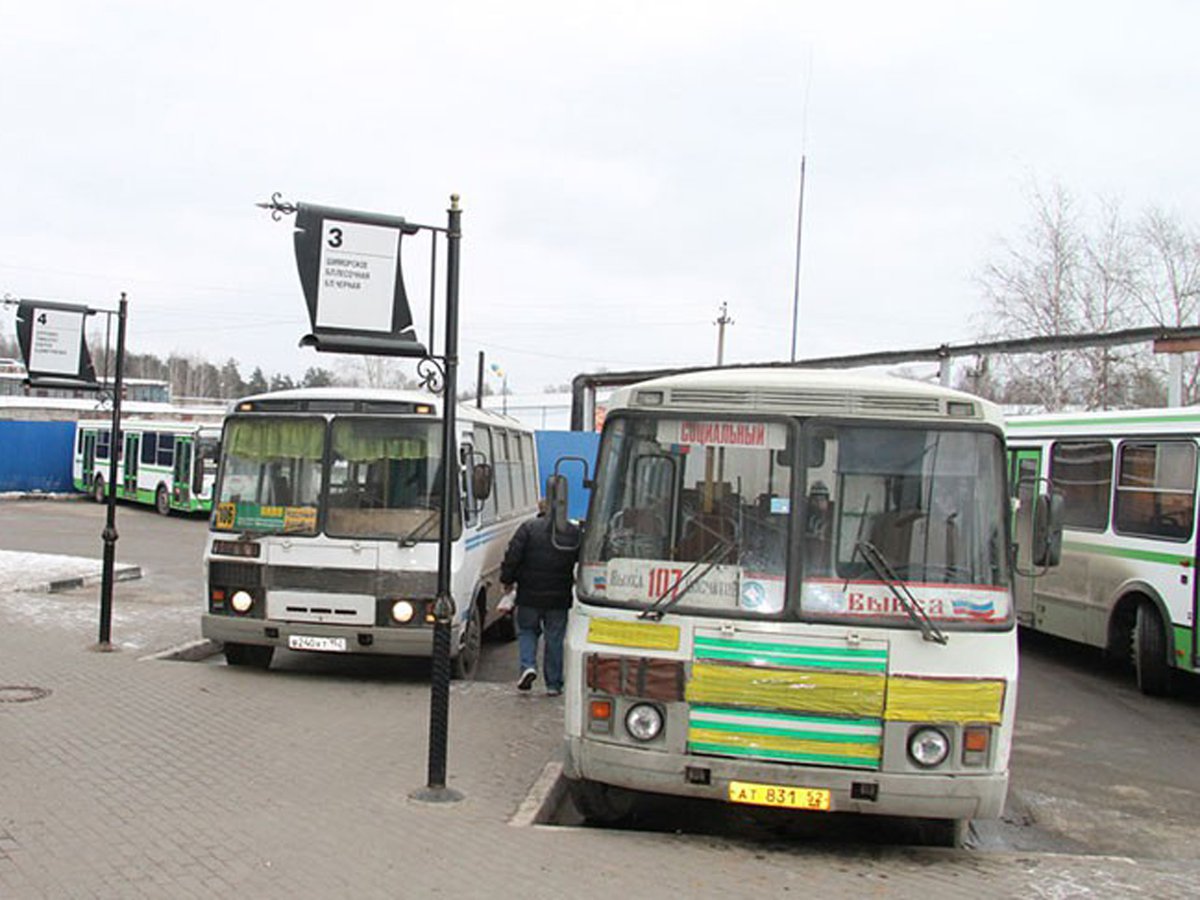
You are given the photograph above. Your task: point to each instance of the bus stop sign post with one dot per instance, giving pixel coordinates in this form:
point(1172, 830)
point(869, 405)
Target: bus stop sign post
point(349, 266)
point(110, 518)
point(51, 338)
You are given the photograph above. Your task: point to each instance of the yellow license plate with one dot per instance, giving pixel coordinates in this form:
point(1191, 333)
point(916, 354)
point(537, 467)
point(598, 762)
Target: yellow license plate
point(778, 795)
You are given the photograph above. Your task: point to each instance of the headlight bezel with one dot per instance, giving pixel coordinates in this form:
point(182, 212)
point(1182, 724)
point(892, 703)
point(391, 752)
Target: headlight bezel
point(645, 722)
point(923, 737)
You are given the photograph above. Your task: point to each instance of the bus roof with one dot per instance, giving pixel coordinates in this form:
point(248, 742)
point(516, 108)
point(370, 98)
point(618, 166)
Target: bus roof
point(378, 397)
point(1164, 420)
point(832, 392)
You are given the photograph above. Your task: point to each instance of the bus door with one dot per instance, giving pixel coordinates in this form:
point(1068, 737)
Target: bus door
point(132, 446)
point(181, 489)
point(89, 456)
point(1026, 469)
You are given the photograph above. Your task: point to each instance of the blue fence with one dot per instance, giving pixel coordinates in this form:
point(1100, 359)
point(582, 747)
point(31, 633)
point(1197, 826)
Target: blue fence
point(553, 446)
point(36, 456)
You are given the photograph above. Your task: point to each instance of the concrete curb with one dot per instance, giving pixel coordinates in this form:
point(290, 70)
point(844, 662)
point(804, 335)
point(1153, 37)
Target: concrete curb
point(121, 573)
point(543, 798)
point(191, 651)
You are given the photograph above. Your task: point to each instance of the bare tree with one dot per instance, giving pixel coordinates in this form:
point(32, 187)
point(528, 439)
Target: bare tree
point(1031, 291)
point(1166, 285)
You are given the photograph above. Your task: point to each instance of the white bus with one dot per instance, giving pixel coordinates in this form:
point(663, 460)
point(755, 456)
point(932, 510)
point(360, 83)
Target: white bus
point(1128, 581)
point(325, 532)
point(794, 591)
point(169, 465)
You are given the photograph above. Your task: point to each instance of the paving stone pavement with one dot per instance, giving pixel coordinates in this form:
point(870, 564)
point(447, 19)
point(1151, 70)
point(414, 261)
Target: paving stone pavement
point(138, 777)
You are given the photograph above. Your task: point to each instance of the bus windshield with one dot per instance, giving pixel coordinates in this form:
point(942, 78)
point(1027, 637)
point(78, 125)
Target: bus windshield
point(693, 513)
point(922, 508)
point(696, 516)
point(385, 479)
point(271, 475)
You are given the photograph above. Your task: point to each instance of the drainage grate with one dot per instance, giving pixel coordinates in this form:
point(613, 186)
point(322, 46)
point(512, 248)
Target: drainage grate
point(21, 693)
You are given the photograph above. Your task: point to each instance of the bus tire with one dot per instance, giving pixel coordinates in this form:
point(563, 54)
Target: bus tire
point(466, 661)
point(162, 500)
point(98, 489)
point(602, 804)
point(251, 656)
point(1150, 652)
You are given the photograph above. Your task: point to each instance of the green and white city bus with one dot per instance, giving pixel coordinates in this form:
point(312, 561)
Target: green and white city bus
point(169, 465)
point(1128, 581)
point(325, 532)
point(794, 591)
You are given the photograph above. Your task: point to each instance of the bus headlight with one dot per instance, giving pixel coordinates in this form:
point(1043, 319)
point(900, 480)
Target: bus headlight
point(928, 747)
point(241, 601)
point(644, 722)
point(402, 611)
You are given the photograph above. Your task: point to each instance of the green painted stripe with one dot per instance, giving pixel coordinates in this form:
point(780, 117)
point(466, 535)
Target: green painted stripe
point(865, 653)
point(783, 717)
point(796, 660)
point(1173, 559)
point(824, 758)
point(824, 737)
point(1116, 420)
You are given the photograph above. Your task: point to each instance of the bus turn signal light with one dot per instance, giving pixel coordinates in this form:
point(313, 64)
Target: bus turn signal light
point(600, 712)
point(975, 744)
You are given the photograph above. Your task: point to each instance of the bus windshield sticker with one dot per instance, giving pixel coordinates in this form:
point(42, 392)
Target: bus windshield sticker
point(648, 580)
point(695, 433)
point(966, 603)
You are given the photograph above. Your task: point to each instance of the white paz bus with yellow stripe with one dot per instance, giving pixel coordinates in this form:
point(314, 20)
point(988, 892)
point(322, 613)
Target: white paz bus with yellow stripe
point(794, 591)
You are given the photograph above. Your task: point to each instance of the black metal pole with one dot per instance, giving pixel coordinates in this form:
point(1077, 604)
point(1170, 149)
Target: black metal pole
point(479, 383)
point(444, 608)
point(110, 523)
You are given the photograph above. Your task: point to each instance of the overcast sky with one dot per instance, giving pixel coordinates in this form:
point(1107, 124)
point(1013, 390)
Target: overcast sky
point(624, 168)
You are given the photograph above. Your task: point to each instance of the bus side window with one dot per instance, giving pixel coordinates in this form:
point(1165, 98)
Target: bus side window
point(483, 450)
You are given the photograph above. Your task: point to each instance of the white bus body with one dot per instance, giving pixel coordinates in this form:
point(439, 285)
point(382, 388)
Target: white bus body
point(1127, 581)
point(731, 639)
point(166, 464)
point(325, 529)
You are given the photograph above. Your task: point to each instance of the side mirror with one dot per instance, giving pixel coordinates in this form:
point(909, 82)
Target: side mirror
point(562, 533)
point(481, 481)
point(1047, 530)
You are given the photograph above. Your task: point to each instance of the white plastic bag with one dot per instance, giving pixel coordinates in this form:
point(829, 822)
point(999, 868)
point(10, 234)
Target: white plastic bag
point(507, 602)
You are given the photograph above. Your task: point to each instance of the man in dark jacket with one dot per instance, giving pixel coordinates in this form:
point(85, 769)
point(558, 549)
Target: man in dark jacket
point(544, 575)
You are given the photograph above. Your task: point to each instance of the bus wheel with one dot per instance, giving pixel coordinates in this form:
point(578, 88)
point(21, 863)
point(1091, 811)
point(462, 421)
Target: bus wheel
point(253, 656)
point(1150, 652)
point(162, 501)
point(98, 489)
point(602, 804)
point(467, 661)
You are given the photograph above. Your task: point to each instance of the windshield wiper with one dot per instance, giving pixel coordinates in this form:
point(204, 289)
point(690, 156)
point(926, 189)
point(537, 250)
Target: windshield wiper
point(421, 527)
point(878, 562)
point(717, 554)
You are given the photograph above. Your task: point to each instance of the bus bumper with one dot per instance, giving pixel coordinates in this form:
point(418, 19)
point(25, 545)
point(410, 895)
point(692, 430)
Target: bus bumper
point(369, 639)
point(928, 795)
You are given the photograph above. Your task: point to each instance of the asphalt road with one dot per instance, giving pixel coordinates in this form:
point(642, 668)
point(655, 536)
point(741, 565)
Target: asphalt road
point(1097, 768)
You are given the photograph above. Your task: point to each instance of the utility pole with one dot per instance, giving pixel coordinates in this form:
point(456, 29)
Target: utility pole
point(721, 323)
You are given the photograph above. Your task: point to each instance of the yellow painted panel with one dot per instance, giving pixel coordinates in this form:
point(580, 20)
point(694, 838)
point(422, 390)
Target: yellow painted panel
point(643, 635)
point(769, 743)
point(912, 699)
point(807, 691)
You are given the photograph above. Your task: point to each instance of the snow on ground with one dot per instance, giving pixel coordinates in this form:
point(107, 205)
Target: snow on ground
point(138, 626)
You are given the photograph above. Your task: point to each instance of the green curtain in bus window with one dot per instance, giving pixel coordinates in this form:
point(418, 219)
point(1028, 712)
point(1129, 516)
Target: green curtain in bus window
point(354, 445)
point(276, 439)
